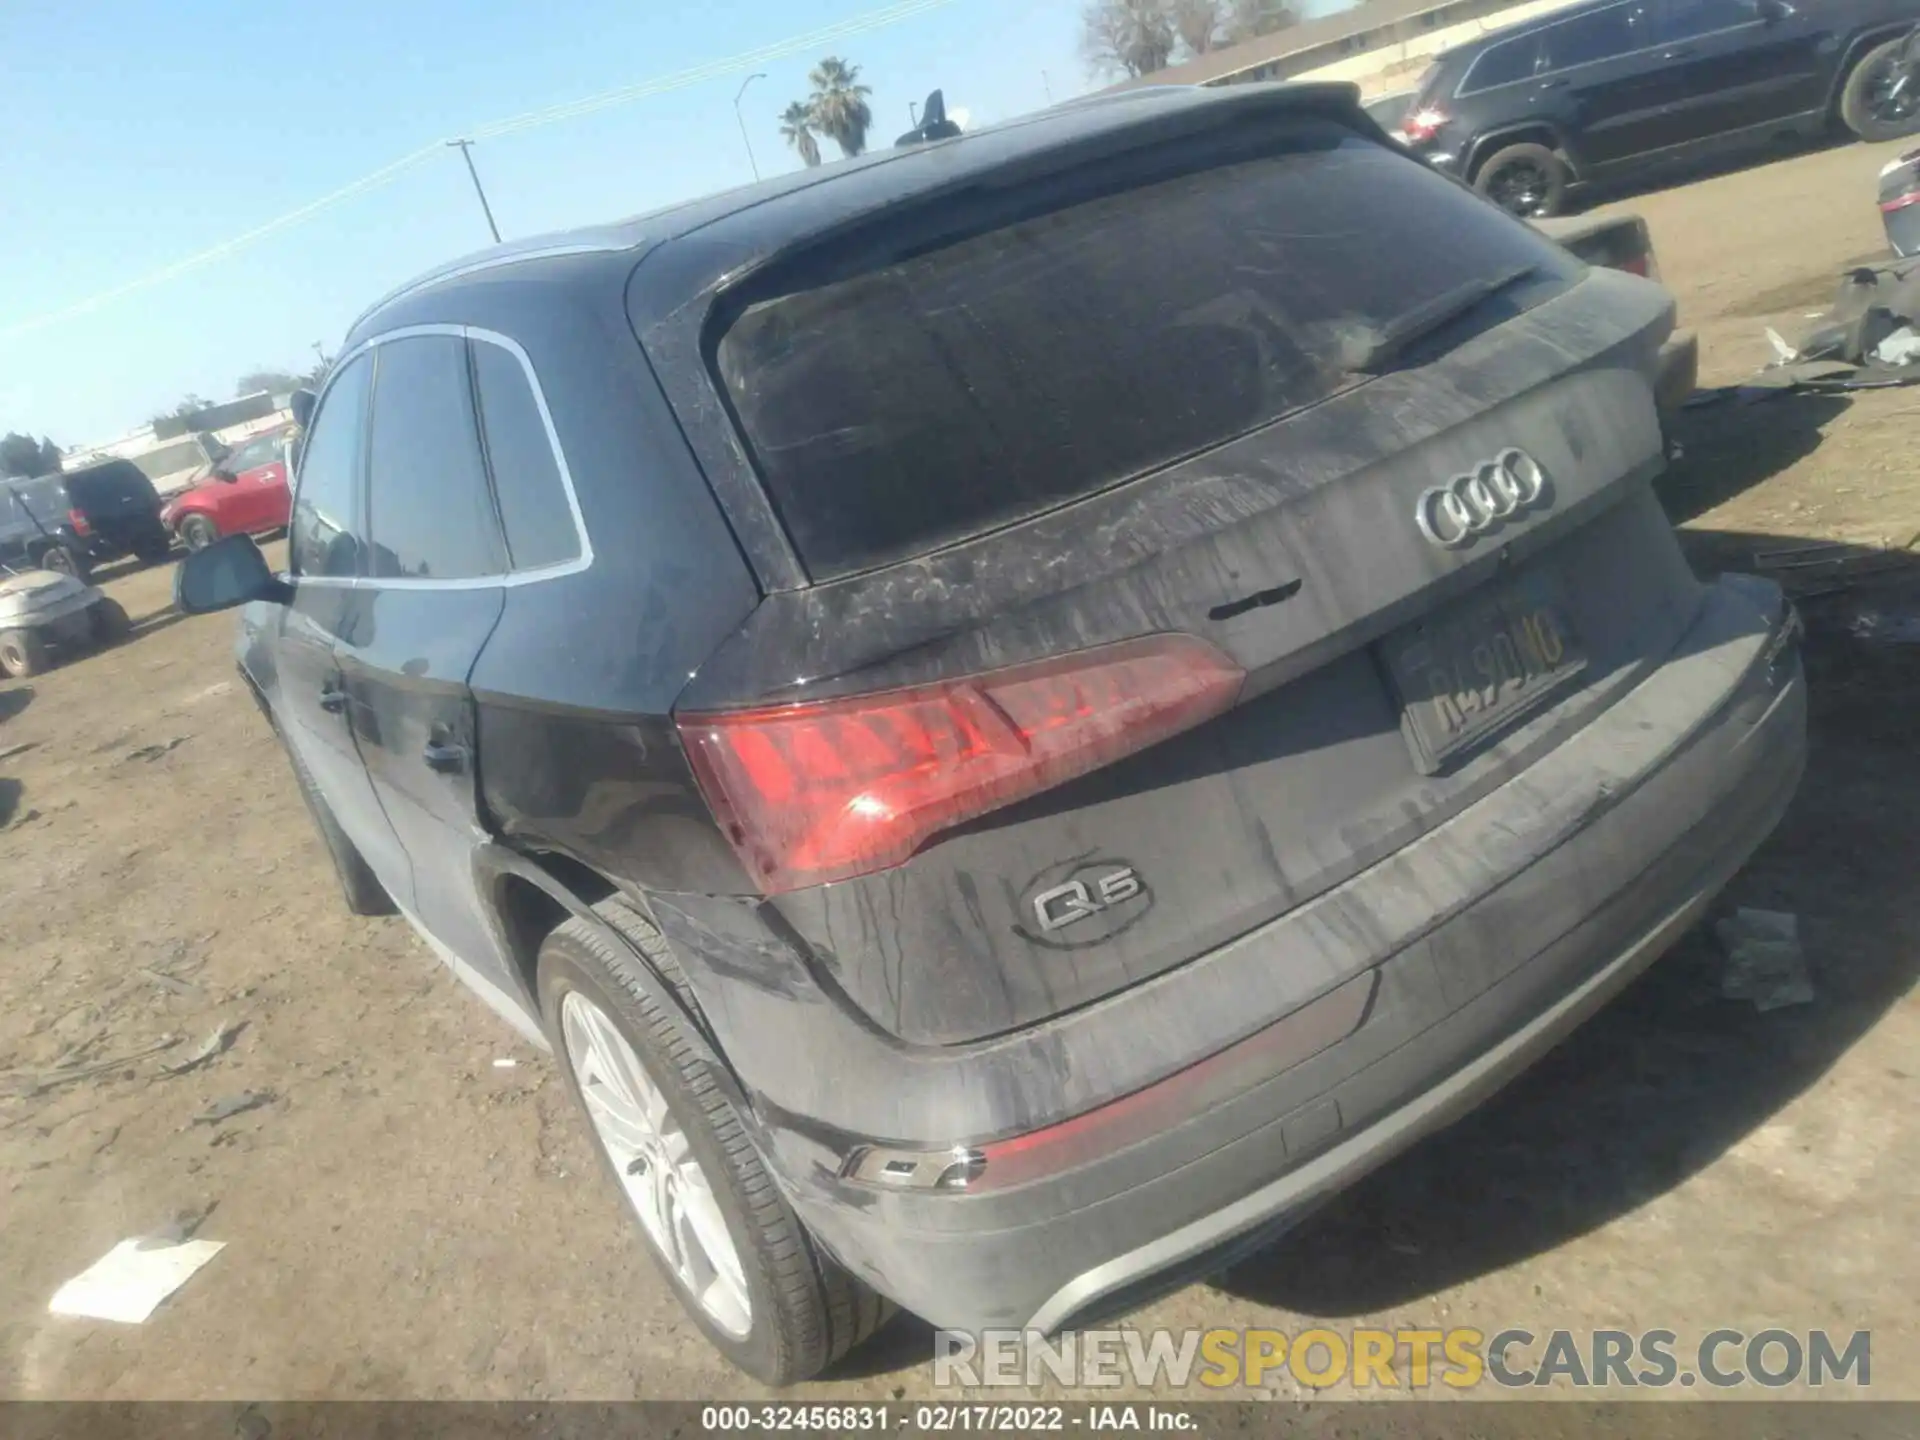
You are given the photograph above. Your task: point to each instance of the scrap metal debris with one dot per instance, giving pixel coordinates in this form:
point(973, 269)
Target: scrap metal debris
point(1870, 339)
point(218, 1043)
point(1765, 963)
point(233, 1105)
point(154, 752)
point(28, 1087)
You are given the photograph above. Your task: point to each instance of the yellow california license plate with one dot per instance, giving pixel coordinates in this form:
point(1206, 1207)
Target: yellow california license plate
point(1477, 667)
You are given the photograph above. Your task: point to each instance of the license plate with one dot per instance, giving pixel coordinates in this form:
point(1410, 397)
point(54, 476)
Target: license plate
point(1478, 667)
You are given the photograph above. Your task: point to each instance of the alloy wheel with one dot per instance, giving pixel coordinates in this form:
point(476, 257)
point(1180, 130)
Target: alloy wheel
point(670, 1193)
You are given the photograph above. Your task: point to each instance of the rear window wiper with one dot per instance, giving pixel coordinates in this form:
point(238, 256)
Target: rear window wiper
point(1386, 343)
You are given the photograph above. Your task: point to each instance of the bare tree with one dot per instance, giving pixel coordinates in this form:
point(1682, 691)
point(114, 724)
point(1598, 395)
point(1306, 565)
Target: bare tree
point(1127, 37)
point(1250, 19)
point(1198, 23)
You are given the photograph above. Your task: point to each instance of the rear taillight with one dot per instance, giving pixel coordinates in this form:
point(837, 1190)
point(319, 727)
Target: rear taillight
point(79, 523)
point(1423, 124)
point(828, 790)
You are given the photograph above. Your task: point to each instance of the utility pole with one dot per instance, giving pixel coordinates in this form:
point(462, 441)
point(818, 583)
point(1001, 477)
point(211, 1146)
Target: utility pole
point(1047, 82)
point(913, 113)
point(746, 139)
point(465, 147)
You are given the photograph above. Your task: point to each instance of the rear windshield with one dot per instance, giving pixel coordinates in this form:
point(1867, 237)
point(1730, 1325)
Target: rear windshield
point(931, 396)
point(118, 485)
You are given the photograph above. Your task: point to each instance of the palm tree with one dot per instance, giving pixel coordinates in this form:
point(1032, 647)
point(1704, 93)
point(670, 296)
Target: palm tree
point(796, 128)
point(840, 104)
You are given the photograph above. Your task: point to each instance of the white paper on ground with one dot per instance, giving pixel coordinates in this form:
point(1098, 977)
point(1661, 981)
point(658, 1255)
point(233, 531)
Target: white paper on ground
point(128, 1283)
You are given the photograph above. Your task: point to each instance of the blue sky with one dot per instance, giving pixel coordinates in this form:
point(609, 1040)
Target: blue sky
point(134, 134)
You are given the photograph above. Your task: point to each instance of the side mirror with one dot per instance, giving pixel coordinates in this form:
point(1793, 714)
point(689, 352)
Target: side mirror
point(302, 405)
point(226, 573)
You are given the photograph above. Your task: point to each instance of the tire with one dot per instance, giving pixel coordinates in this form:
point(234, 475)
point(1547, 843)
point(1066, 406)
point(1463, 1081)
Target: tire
point(197, 532)
point(22, 653)
point(109, 621)
point(359, 886)
point(65, 560)
point(1860, 106)
point(803, 1311)
point(1527, 180)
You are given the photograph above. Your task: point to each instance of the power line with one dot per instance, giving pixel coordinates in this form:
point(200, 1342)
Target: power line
point(552, 114)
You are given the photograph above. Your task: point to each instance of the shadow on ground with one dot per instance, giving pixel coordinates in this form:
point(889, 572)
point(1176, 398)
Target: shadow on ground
point(14, 699)
point(1732, 445)
point(1671, 1075)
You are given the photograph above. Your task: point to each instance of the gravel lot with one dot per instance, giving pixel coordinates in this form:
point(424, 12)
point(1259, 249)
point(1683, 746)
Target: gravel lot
point(405, 1218)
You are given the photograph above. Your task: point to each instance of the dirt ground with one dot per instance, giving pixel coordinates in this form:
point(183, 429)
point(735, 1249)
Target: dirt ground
point(405, 1216)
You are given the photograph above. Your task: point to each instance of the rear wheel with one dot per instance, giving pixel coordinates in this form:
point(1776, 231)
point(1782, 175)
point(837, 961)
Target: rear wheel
point(154, 549)
point(109, 621)
point(1870, 103)
point(197, 532)
point(739, 1259)
point(66, 561)
point(22, 653)
point(1527, 180)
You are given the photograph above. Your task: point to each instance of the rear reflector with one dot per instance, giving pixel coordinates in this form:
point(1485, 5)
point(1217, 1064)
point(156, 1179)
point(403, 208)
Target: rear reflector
point(824, 791)
point(78, 520)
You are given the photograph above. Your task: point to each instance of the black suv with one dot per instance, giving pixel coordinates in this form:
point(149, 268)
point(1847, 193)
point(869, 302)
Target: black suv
point(1610, 87)
point(1016, 712)
point(79, 518)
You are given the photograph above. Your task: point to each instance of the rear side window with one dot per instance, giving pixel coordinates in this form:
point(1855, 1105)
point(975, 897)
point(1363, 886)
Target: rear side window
point(526, 472)
point(430, 516)
point(1617, 30)
point(1503, 64)
point(960, 387)
point(324, 537)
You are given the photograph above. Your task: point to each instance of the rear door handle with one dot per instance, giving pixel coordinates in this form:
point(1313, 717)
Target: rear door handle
point(1679, 52)
point(1553, 84)
point(445, 759)
point(334, 702)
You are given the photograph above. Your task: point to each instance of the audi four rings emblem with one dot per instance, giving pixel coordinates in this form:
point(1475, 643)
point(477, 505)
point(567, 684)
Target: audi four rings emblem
point(1457, 513)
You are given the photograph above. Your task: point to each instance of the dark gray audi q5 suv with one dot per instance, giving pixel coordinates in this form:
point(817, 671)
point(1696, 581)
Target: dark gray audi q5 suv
point(1017, 711)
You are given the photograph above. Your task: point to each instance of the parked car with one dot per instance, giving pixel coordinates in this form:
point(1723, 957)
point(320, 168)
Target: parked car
point(1531, 113)
point(245, 493)
point(44, 613)
point(1623, 242)
point(1014, 720)
point(75, 520)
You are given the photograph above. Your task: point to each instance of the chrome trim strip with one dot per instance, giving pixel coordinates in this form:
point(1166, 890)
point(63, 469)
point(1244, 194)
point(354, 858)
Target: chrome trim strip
point(481, 264)
point(504, 580)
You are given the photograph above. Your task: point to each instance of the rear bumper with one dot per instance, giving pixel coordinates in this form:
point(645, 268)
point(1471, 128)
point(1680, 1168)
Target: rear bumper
point(1651, 809)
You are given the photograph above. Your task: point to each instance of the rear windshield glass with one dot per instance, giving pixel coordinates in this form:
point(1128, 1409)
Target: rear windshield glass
point(108, 487)
point(938, 394)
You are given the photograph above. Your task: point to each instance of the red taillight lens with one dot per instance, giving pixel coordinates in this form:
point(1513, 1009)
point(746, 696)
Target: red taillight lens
point(79, 523)
point(825, 791)
point(1422, 125)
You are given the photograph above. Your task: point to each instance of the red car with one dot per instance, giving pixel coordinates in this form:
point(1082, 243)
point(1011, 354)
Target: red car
point(245, 493)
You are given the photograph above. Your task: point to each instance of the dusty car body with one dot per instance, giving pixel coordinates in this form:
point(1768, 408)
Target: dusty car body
point(43, 612)
point(1021, 710)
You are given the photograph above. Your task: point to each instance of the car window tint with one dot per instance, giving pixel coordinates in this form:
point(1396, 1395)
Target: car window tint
point(429, 514)
point(1687, 18)
point(323, 538)
point(1503, 64)
point(526, 475)
point(1617, 30)
point(955, 387)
